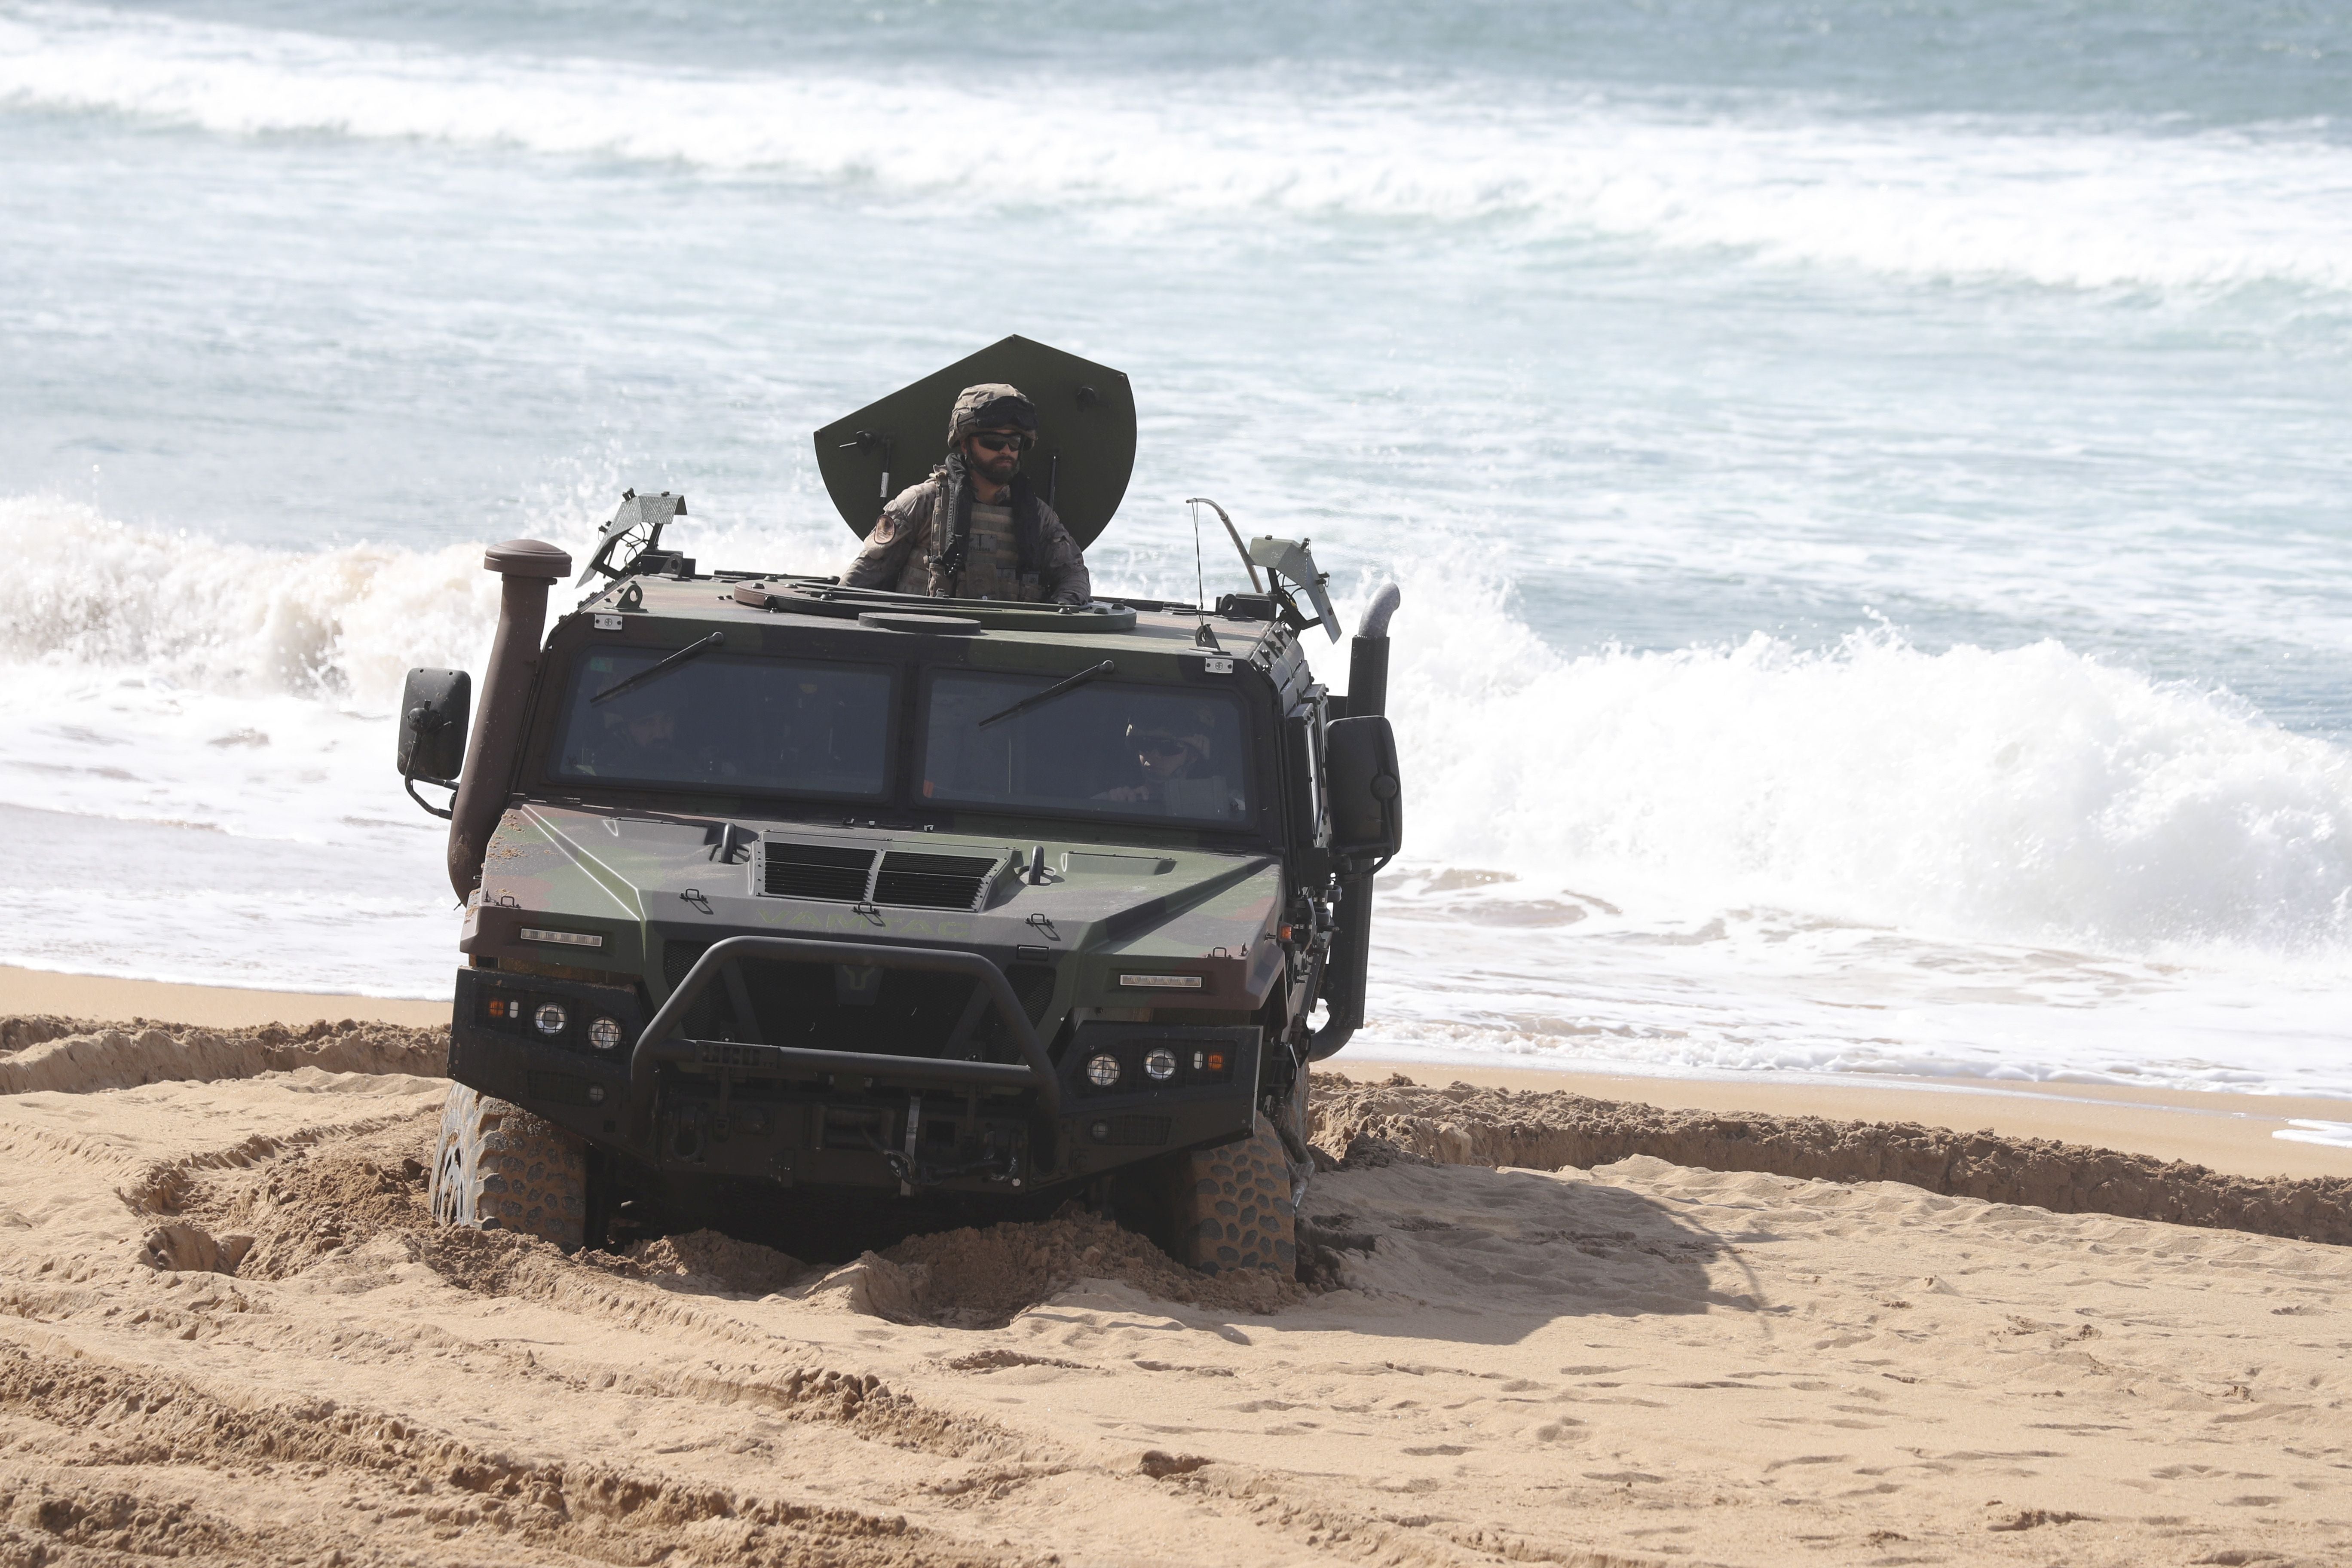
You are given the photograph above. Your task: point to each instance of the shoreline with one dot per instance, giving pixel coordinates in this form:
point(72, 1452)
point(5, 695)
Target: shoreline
point(111, 999)
point(2230, 1133)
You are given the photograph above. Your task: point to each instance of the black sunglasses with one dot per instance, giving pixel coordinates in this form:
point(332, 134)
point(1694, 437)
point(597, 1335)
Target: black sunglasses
point(1003, 443)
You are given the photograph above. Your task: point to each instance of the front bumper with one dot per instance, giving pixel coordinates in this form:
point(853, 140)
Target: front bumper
point(800, 1115)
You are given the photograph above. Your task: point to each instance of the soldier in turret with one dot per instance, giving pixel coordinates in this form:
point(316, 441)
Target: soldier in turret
point(976, 529)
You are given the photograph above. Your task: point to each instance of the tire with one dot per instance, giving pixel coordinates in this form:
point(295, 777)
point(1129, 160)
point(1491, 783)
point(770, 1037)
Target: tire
point(1230, 1207)
point(499, 1167)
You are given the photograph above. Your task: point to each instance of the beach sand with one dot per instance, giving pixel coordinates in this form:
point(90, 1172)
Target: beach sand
point(212, 1006)
point(1642, 1362)
point(2234, 1132)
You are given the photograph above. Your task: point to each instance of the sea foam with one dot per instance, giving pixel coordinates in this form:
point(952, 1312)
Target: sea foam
point(2026, 795)
point(2021, 863)
point(2029, 794)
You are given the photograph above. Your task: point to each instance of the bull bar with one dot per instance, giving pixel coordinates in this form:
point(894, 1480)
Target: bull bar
point(654, 1046)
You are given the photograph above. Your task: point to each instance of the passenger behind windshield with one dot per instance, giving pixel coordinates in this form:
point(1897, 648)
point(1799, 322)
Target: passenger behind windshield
point(729, 723)
point(1107, 748)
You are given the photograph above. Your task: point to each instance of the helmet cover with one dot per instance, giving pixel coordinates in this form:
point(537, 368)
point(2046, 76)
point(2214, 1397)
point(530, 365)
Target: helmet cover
point(992, 405)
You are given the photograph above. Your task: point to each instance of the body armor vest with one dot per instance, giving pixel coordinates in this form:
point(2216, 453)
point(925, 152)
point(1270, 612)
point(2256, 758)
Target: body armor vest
point(982, 551)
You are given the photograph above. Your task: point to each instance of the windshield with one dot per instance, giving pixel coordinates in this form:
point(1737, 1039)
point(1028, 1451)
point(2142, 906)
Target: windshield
point(1128, 751)
point(729, 723)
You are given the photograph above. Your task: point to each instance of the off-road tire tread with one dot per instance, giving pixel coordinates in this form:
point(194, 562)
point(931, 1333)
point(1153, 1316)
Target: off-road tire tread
point(1232, 1206)
point(499, 1167)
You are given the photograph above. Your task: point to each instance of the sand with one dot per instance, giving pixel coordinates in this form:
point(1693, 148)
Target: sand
point(2234, 1132)
point(1637, 1362)
point(211, 1006)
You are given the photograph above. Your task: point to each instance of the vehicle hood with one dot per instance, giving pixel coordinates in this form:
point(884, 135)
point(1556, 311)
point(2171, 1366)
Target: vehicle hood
point(615, 891)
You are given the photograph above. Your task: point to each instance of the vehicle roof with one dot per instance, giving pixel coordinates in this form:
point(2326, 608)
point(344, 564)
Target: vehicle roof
point(1156, 625)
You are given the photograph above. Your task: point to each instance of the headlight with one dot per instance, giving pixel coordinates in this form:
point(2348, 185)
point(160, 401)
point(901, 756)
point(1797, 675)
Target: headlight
point(605, 1034)
point(550, 1018)
point(1160, 1064)
point(1102, 1071)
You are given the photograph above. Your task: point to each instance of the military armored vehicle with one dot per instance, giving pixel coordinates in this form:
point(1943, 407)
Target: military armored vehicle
point(782, 897)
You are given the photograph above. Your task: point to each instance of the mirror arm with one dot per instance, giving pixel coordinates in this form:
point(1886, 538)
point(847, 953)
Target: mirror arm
point(1290, 611)
point(409, 779)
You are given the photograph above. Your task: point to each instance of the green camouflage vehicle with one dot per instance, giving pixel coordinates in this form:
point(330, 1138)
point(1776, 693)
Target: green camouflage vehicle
point(785, 899)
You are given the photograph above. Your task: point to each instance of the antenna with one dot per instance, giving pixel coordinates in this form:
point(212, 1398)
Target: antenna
point(1203, 636)
point(1199, 573)
point(1231, 533)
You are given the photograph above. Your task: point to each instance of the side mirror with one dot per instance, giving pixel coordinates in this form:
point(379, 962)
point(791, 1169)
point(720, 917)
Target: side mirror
point(434, 705)
point(1360, 760)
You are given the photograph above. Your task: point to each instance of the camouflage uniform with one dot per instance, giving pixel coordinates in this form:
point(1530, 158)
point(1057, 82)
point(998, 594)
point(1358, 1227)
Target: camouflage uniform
point(937, 540)
point(905, 551)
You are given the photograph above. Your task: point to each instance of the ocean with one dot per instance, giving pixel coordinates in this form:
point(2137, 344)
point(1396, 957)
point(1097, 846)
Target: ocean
point(1871, 480)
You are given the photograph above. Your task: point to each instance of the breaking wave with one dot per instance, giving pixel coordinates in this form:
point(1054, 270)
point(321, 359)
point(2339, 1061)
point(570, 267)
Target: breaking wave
point(2027, 794)
point(2047, 202)
point(239, 620)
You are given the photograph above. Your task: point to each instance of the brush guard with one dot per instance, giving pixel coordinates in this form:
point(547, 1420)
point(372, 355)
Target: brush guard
point(660, 1041)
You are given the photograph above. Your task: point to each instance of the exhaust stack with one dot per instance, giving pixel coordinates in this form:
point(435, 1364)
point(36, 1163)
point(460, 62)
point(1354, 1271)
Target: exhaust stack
point(1350, 966)
point(528, 568)
point(1368, 655)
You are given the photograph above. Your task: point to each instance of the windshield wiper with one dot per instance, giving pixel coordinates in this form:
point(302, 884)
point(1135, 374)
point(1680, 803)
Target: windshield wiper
point(631, 682)
point(1026, 703)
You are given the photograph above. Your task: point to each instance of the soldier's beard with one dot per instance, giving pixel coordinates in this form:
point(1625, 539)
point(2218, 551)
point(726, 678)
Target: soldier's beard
point(996, 467)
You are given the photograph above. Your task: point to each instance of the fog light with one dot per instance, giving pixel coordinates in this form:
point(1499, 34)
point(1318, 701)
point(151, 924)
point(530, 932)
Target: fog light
point(1160, 1064)
point(1101, 1130)
point(595, 1094)
point(605, 1034)
point(1103, 1071)
point(550, 1018)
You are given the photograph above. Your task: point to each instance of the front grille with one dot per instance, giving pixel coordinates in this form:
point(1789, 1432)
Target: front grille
point(1034, 984)
point(830, 871)
point(678, 959)
point(913, 880)
point(796, 1002)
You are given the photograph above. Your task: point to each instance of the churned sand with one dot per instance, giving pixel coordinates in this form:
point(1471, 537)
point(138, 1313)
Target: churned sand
point(1640, 1361)
point(2234, 1132)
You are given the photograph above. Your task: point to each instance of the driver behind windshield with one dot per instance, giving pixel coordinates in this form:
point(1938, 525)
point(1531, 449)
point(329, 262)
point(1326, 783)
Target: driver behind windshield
point(1162, 756)
point(637, 742)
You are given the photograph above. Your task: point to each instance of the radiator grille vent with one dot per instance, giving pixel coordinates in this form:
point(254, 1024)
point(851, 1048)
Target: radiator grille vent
point(830, 871)
point(677, 958)
point(1034, 984)
point(914, 880)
